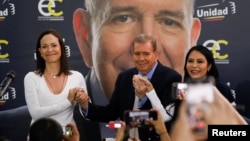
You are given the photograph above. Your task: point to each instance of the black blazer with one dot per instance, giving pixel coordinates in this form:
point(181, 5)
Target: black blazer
point(123, 95)
point(225, 90)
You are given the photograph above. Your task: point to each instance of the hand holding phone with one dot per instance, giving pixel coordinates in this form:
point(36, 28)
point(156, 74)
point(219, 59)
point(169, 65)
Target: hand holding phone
point(198, 95)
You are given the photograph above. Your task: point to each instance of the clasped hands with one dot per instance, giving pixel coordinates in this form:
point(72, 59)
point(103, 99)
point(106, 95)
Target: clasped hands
point(141, 85)
point(80, 96)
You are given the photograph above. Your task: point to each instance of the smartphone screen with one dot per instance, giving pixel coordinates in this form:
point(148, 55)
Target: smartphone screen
point(67, 131)
point(179, 90)
point(139, 118)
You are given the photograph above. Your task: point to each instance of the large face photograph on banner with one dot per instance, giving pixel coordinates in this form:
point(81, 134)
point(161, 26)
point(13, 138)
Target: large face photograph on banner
point(97, 36)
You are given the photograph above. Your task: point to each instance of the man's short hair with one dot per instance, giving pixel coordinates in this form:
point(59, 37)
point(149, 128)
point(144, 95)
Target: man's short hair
point(45, 129)
point(143, 38)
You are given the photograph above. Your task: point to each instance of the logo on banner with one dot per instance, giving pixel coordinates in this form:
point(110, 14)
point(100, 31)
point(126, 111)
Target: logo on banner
point(6, 9)
point(217, 49)
point(50, 10)
point(67, 49)
point(216, 11)
point(4, 56)
point(10, 94)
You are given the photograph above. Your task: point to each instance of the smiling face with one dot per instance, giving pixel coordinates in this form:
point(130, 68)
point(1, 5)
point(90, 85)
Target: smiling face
point(197, 65)
point(144, 56)
point(170, 22)
point(50, 48)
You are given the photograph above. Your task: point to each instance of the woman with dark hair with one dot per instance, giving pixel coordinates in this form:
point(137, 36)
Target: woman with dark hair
point(50, 89)
point(200, 64)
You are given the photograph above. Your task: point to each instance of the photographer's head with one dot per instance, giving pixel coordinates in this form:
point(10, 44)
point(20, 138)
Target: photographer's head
point(45, 129)
point(104, 36)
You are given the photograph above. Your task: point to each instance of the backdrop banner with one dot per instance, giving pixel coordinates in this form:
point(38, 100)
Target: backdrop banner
point(225, 31)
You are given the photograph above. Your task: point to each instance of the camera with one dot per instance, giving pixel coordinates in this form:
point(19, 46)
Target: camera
point(67, 131)
point(139, 119)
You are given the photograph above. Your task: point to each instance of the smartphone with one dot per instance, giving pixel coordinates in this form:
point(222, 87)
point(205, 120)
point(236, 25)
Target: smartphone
point(179, 90)
point(139, 119)
point(197, 93)
point(198, 96)
point(67, 131)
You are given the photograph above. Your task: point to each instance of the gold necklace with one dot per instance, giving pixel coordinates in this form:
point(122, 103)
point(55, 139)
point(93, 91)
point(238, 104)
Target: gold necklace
point(51, 86)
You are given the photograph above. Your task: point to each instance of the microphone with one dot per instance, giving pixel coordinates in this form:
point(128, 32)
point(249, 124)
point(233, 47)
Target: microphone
point(6, 82)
